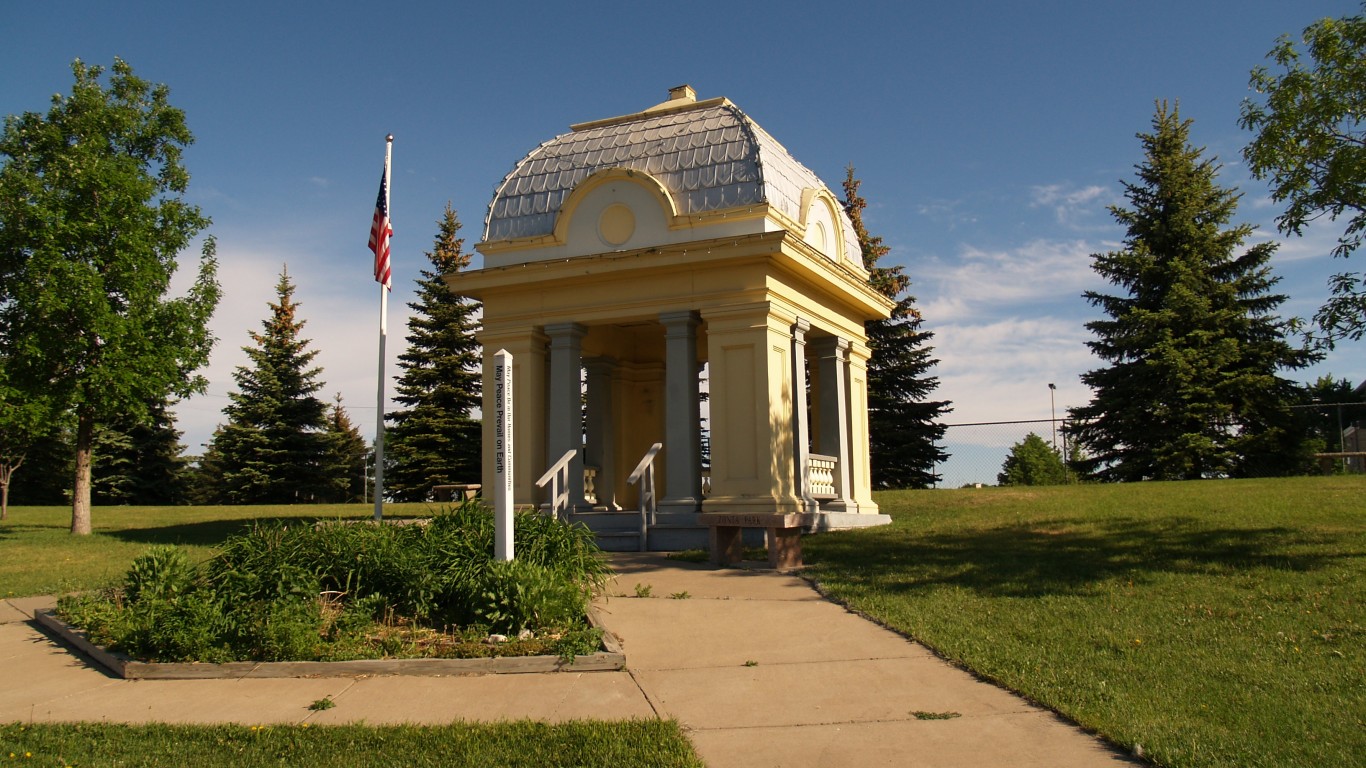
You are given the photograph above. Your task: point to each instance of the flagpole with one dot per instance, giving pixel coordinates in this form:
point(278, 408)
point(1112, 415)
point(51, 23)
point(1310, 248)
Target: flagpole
point(383, 333)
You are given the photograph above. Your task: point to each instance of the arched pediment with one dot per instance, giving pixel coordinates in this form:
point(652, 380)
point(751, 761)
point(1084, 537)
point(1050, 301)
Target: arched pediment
point(822, 228)
point(616, 209)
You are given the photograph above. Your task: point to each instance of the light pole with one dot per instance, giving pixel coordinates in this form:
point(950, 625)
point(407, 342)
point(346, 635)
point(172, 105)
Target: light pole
point(1053, 409)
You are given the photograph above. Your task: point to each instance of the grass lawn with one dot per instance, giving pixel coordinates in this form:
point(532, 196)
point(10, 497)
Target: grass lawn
point(1216, 623)
point(39, 556)
point(643, 743)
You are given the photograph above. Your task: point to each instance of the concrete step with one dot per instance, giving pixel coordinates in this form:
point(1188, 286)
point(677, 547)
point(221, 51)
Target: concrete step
point(620, 532)
point(626, 520)
point(618, 541)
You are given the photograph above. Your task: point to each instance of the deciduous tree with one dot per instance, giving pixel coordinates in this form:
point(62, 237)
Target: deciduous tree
point(92, 218)
point(1032, 462)
point(903, 423)
point(1310, 124)
point(1192, 342)
point(22, 427)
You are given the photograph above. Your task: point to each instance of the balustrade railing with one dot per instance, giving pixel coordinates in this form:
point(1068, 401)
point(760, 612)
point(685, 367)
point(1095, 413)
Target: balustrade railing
point(558, 478)
point(644, 474)
point(820, 475)
point(590, 484)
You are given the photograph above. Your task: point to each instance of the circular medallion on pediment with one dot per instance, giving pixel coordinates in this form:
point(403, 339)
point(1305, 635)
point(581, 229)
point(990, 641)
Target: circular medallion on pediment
point(616, 224)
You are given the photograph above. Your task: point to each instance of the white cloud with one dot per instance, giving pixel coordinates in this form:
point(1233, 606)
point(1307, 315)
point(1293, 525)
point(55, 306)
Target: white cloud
point(994, 282)
point(1000, 371)
point(1072, 207)
point(948, 213)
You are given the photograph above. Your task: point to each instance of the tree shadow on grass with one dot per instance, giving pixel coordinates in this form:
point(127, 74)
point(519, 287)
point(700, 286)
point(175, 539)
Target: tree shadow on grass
point(1058, 557)
point(204, 533)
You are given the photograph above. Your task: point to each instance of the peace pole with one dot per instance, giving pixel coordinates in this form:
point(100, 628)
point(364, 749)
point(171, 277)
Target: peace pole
point(502, 456)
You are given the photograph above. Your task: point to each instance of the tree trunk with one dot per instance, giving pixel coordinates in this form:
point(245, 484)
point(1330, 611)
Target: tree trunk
point(80, 496)
point(7, 470)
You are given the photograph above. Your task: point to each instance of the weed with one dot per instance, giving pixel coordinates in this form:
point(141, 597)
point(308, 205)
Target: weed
point(643, 590)
point(323, 704)
point(680, 595)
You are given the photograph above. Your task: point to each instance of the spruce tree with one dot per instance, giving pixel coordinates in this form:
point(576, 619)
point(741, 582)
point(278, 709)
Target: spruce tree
point(274, 447)
point(902, 422)
point(1192, 343)
point(139, 461)
point(346, 457)
point(435, 440)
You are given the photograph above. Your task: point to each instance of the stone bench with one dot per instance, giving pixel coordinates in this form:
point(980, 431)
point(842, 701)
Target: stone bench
point(462, 491)
point(784, 534)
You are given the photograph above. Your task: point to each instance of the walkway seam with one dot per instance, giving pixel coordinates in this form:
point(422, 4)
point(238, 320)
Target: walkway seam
point(655, 706)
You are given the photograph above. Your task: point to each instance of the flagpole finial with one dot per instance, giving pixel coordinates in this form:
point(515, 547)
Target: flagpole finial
point(389, 138)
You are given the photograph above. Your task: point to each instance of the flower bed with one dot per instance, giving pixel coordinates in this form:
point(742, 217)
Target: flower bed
point(332, 592)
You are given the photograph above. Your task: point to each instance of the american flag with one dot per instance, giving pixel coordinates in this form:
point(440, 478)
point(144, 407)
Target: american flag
point(380, 232)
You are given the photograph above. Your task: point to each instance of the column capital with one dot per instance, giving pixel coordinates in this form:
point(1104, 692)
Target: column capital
point(831, 346)
point(602, 363)
point(680, 319)
point(800, 328)
point(565, 330)
point(493, 338)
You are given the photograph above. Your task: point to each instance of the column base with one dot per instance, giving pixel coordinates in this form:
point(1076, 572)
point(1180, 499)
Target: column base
point(680, 506)
point(840, 507)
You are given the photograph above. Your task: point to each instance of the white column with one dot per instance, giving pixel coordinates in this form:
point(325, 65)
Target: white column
point(564, 417)
point(801, 430)
point(860, 491)
point(833, 369)
point(682, 414)
point(600, 448)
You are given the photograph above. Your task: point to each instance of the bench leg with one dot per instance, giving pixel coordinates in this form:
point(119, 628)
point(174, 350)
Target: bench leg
point(727, 544)
point(784, 548)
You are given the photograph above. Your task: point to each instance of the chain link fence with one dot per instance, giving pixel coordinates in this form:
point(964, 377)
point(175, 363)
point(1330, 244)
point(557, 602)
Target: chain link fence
point(978, 450)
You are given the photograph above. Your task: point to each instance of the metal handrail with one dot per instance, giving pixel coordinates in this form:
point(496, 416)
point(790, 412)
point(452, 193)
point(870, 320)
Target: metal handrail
point(644, 473)
point(559, 490)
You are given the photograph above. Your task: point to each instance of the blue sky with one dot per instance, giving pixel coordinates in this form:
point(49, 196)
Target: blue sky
point(990, 137)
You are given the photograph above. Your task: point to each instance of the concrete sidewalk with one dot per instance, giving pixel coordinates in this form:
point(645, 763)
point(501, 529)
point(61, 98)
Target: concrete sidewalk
point(758, 668)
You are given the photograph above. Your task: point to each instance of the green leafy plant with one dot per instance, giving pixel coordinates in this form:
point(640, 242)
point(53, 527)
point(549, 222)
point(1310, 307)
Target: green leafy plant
point(517, 594)
point(643, 590)
point(161, 573)
point(283, 591)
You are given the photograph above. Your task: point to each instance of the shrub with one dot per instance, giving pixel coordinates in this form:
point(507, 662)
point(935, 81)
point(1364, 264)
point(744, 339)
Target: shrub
point(280, 591)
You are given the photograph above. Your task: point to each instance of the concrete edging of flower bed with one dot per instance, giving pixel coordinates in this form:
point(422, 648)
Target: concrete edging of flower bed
point(611, 658)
